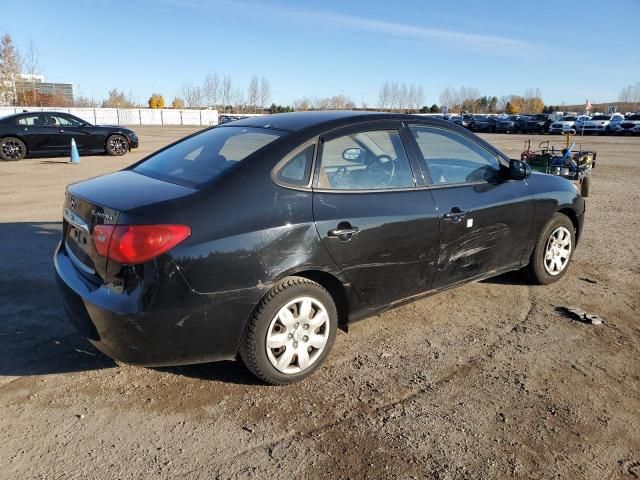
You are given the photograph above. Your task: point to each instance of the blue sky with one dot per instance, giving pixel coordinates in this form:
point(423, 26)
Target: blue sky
point(570, 50)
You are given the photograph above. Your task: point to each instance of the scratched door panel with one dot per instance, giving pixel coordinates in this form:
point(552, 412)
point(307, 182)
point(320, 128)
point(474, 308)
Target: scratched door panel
point(394, 253)
point(491, 232)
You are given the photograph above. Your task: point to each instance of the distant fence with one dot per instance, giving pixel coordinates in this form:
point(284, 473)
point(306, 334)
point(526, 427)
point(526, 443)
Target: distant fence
point(130, 116)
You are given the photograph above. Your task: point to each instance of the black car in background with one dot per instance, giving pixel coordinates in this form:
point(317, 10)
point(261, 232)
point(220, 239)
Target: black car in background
point(532, 124)
point(260, 238)
point(507, 125)
point(483, 123)
point(50, 133)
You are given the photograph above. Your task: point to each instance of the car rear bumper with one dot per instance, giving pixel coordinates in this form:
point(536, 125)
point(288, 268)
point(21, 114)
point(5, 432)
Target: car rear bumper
point(162, 325)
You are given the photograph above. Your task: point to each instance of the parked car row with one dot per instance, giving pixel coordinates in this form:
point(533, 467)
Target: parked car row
point(603, 124)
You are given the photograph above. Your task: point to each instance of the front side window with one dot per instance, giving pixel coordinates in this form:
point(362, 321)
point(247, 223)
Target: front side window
point(63, 121)
point(204, 157)
point(452, 158)
point(371, 160)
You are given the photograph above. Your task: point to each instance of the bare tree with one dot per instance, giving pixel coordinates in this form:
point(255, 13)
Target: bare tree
point(226, 92)
point(82, 101)
point(394, 96)
point(384, 95)
point(254, 93)
point(31, 66)
point(118, 99)
point(302, 104)
point(10, 66)
point(192, 94)
point(630, 94)
point(237, 100)
point(447, 98)
point(419, 100)
point(211, 89)
point(265, 92)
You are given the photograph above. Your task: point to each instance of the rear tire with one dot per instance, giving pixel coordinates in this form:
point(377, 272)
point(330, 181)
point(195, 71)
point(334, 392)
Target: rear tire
point(290, 333)
point(117, 145)
point(553, 251)
point(12, 149)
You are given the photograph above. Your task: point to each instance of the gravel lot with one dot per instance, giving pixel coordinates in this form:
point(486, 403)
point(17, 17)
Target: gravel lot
point(485, 381)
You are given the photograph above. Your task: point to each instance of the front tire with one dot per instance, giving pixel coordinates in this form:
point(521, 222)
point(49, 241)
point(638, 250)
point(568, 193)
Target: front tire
point(553, 252)
point(117, 145)
point(291, 332)
point(12, 149)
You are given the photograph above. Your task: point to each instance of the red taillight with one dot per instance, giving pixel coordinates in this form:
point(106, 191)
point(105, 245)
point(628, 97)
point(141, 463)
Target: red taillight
point(130, 244)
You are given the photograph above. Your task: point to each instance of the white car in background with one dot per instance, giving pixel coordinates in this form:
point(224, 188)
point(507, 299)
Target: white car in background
point(566, 124)
point(580, 121)
point(602, 123)
point(630, 124)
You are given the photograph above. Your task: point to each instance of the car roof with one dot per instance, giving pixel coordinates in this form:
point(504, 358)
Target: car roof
point(34, 112)
point(298, 121)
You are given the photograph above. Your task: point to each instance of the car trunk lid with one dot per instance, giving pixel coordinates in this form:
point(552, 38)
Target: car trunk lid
point(80, 217)
point(102, 201)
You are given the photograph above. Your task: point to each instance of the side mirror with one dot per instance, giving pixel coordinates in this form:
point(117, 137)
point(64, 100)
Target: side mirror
point(355, 155)
point(518, 169)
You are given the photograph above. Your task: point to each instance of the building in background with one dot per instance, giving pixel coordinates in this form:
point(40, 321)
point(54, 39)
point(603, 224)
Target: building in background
point(32, 90)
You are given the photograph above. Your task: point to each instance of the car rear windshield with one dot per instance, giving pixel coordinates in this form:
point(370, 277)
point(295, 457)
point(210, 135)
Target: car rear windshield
point(601, 117)
point(202, 158)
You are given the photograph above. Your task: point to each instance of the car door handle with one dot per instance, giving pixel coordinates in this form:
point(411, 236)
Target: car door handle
point(61, 130)
point(343, 233)
point(455, 215)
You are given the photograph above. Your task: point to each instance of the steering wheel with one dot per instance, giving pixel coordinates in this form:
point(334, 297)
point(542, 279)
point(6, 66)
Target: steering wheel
point(385, 164)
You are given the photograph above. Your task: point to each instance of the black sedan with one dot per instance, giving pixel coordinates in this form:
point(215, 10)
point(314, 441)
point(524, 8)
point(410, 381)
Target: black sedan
point(261, 238)
point(50, 133)
point(483, 123)
point(533, 124)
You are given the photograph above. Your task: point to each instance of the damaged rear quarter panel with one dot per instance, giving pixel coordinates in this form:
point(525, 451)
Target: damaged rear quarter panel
point(255, 233)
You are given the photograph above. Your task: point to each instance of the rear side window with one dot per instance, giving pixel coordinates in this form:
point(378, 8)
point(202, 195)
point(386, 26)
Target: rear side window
point(204, 157)
point(452, 158)
point(34, 120)
point(296, 171)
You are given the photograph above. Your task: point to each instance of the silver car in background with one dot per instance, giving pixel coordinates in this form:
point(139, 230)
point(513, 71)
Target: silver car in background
point(566, 124)
point(629, 125)
point(602, 123)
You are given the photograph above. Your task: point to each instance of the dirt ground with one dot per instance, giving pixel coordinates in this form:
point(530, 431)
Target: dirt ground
point(485, 381)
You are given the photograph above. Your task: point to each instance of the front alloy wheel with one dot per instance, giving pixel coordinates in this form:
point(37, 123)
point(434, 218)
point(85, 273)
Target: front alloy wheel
point(117, 145)
point(553, 251)
point(557, 251)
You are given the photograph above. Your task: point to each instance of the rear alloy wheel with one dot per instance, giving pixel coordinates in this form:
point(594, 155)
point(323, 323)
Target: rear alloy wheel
point(291, 332)
point(554, 249)
point(12, 149)
point(117, 145)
